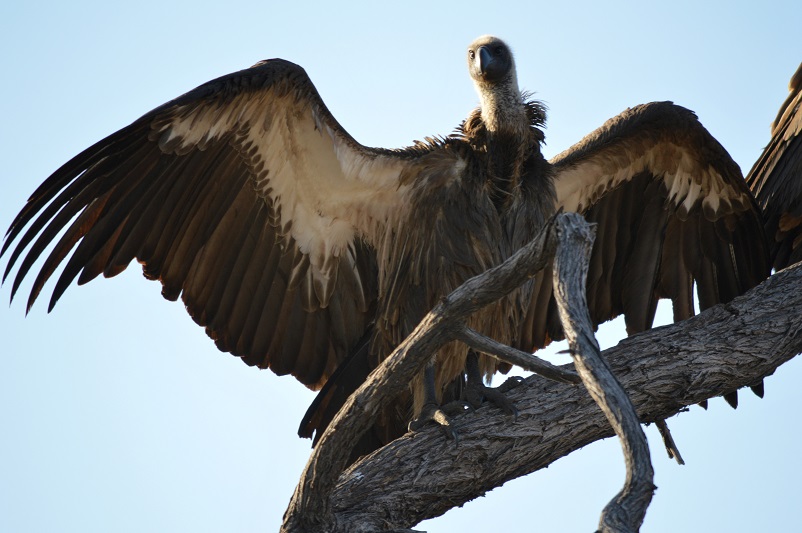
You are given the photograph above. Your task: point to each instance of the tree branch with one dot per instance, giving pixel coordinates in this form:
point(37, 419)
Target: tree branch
point(422, 475)
point(527, 361)
point(309, 509)
point(625, 512)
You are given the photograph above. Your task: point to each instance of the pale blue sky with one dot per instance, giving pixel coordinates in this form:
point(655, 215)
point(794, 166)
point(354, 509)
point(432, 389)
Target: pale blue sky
point(118, 414)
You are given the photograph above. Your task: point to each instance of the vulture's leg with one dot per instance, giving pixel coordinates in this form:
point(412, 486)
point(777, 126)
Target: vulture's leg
point(432, 411)
point(477, 392)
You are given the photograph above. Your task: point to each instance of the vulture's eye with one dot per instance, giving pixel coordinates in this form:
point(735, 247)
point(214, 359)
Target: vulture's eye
point(499, 50)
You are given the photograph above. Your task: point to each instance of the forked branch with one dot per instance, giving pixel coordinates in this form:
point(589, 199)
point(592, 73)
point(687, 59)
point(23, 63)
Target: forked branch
point(422, 475)
point(309, 509)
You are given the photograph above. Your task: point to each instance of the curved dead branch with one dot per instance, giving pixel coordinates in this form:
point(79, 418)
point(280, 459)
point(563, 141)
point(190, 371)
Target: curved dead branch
point(625, 512)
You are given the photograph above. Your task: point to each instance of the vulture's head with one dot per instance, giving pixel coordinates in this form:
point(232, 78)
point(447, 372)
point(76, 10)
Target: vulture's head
point(490, 62)
point(492, 68)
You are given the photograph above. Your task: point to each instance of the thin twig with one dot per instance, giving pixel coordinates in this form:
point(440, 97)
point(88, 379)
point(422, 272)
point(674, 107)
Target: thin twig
point(527, 361)
point(668, 441)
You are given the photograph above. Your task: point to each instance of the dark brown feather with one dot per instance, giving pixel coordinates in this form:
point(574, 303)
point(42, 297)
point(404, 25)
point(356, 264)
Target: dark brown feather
point(776, 179)
point(650, 244)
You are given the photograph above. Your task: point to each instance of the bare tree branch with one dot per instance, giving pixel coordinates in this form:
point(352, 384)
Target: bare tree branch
point(625, 512)
point(663, 370)
point(309, 509)
point(668, 441)
point(527, 361)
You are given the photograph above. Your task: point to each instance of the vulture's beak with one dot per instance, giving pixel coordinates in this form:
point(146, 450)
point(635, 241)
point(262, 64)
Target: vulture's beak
point(488, 66)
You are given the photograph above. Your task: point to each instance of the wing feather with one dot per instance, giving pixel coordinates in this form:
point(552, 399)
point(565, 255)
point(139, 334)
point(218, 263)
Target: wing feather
point(676, 280)
point(244, 197)
point(776, 179)
point(672, 210)
point(641, 266)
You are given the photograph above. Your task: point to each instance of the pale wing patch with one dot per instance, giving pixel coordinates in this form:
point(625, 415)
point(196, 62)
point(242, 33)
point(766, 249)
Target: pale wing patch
point(193, 126)
point(327, 194)
point(575, 185)
point(688, 183)
point(324, 188)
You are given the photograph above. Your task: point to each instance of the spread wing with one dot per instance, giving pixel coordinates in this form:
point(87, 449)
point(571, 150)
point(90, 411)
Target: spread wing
point(672, 209)
point(246, 198)
point(776, 179)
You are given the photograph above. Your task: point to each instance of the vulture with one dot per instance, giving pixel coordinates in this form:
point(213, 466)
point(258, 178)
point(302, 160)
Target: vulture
point(776, 179)
point(301, 250)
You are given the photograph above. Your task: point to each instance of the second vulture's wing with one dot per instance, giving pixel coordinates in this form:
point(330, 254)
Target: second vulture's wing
point(672, 210)
point(246, 198)
point(776, 179)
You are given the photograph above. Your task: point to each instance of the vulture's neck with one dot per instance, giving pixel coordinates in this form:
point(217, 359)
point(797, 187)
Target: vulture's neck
point(502, 106)
point(508, 138)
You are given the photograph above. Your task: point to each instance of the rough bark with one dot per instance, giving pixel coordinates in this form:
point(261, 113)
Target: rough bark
point(626, 511)
point(663, 370)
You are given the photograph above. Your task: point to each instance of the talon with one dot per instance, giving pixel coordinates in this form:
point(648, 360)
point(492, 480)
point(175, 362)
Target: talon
point(431, 413)
point(477, 393)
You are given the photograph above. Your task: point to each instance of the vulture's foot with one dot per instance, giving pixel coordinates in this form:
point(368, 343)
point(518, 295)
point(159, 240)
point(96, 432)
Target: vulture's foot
point(440, 415)
point(433, 412)
point(476, 392)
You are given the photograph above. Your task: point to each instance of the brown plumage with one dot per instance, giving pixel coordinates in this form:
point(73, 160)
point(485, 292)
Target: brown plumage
point(776, 179)
point(303, 251)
